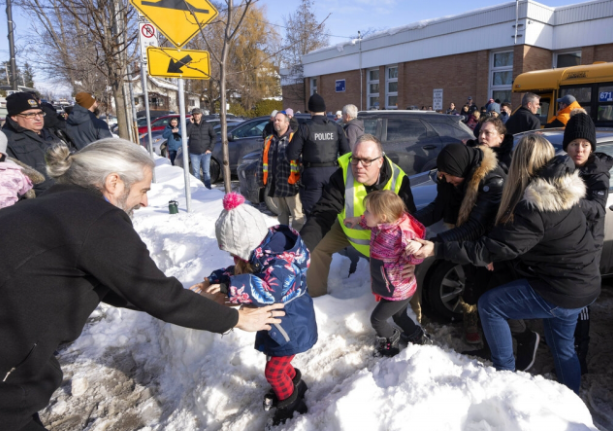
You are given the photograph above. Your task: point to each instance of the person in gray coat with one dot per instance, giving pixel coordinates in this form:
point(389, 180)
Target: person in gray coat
point(353, 127)
point(83, 126)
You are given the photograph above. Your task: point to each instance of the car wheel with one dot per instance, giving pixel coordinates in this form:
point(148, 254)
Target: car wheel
point(270, 203)
point(215, 171)
point(445, 287)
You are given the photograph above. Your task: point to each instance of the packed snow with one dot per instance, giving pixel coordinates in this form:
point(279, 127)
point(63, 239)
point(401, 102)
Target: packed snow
point(129, 371)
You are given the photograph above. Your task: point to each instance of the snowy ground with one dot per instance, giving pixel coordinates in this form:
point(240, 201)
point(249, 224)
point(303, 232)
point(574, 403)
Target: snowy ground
point(129, 371)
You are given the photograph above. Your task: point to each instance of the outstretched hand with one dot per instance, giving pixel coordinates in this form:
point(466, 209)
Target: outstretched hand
point(259, 319)
point(426, 250)
point(412, 248)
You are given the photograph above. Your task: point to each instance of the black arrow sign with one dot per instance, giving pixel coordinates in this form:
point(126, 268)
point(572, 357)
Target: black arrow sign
point(175, 67)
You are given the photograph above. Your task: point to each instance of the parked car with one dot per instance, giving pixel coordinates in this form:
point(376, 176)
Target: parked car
point(442, 282)
point(243, 139)
point(411, 139)
point(159, 123)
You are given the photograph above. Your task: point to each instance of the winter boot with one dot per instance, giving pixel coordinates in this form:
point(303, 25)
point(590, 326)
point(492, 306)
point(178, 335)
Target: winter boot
point(286, 408)
point(527, 343)
point(388, 346)
point(471, 327)
point(270, 399)
point(419, 337)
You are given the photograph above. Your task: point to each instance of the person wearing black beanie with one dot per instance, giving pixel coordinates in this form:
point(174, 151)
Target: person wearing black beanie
point(468, 195)
point(320, 142)
point(580, 145)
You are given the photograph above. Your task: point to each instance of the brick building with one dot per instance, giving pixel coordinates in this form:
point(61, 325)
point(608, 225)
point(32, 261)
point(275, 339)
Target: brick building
point(476, 54)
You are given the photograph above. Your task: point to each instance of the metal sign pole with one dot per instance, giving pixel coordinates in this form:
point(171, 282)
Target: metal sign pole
point(143, 81)
point(182, 122)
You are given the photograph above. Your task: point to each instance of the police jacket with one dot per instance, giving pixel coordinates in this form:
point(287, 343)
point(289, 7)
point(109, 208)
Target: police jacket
point(549, 237)
point(471, 208)
point(280, 264)
point(522, 121)
point(201, 137)
point(84, 127)
point(595, 174)
point(62, 254)
point(332, 203)
point(320, 141)
point(30, 148)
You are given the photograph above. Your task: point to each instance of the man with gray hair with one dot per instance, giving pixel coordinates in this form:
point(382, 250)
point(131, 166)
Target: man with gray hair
point(70, 249)
point(353, 127)
point(525, 117)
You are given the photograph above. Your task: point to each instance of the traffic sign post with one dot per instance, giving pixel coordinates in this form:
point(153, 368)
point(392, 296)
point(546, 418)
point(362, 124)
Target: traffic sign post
point(174, 63)
point(178, 20)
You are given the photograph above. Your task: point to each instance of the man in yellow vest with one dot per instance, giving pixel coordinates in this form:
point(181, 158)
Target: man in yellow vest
point(279, 175)
point(362, 171)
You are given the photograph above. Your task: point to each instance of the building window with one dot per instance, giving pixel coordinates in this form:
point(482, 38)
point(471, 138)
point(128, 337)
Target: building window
point(313, 86)
point(373, 89)
point(566, 58)
point(501, 75)
point(391, 87)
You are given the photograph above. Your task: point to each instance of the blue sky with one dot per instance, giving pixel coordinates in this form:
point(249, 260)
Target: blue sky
point(346, 16)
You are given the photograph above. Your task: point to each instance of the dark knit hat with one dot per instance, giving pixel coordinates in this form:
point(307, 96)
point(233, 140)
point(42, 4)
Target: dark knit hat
point(456, 160)
point(16, 103)
point(85, 99)
point(316, 103)
point(579, 126)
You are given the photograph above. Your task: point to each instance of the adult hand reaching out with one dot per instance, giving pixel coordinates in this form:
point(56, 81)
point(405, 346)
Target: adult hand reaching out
point(426, 250)
point(259, 319)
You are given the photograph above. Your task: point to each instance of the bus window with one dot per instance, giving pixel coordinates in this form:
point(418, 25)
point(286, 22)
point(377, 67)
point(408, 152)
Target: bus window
point(605, 103)
point(582, 94)
point(543, 110)
point(605, 113)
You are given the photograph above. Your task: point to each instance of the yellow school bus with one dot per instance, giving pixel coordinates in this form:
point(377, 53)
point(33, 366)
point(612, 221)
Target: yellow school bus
point(592, 86)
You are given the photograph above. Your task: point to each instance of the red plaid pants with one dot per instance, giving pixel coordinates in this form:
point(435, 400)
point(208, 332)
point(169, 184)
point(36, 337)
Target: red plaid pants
point(280, 373)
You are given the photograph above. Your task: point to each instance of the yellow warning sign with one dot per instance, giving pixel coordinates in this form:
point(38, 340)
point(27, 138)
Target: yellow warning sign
point(172, 63)
point(178, 20)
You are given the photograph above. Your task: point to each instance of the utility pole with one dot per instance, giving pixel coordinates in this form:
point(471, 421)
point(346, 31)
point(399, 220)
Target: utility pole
point(361, 85)
point(9, 16)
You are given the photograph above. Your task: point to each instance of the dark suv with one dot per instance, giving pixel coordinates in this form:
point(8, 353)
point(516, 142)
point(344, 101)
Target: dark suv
point(411, 139)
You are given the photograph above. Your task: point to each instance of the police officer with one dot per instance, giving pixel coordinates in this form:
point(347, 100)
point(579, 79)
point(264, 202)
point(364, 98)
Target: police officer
point(320, 141)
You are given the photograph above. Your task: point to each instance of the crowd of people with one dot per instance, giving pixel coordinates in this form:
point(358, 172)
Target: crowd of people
point(527, 225)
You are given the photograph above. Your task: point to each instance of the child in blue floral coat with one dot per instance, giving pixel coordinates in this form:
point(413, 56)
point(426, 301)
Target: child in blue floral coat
point(270, 267)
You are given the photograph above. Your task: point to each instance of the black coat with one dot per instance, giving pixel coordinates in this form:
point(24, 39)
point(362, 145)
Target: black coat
point(548, 234)
point(311, 152)
point(84, 127)
point(522, 121)
point(470, 208)
point(595, 174)
point(201, 137)
point(62, 254)
point(30, 148)
point(504, 153)
point(332, 202)
point(269, 129)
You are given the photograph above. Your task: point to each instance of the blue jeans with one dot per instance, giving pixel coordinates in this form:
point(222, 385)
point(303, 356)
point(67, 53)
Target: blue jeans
point(202, 161)
point(173, 155)
point(517, 300)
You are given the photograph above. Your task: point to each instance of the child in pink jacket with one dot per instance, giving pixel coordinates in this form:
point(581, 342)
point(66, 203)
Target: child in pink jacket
point(392, 243)
point(13, 182)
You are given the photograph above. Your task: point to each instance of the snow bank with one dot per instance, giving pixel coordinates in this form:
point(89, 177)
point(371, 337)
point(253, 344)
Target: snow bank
point(199, 381)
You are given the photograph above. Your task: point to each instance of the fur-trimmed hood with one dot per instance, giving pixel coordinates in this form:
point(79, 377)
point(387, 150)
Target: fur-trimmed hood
point(557, 187)
point(489, 162)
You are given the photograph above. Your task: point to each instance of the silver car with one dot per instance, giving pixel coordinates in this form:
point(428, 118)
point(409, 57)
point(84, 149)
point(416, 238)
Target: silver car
point(442, 282)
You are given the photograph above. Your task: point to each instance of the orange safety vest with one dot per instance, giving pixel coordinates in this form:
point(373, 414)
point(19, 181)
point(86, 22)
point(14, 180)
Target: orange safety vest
point(294, 176)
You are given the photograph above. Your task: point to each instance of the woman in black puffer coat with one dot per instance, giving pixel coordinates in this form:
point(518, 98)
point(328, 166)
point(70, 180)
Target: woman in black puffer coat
point(540, 222)
point(580, 145)
point(493, 134)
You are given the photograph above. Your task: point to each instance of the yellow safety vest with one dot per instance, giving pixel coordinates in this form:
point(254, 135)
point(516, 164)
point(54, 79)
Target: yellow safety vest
point(354, 202)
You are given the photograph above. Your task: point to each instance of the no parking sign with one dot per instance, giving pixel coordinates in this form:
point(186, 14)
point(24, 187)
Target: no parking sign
point(148, 37)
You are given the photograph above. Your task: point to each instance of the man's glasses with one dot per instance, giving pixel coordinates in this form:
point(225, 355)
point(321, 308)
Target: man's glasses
point(365, 162)
point(32, 115)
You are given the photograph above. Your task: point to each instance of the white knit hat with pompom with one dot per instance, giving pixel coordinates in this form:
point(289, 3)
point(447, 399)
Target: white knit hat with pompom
point(239, 228)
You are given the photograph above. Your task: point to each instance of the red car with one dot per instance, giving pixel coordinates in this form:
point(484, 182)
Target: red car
point(159, 123)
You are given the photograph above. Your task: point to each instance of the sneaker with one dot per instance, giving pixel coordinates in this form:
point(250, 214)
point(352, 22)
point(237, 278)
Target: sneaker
point(388, 347)
point(471, 327)
point(527, 343)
